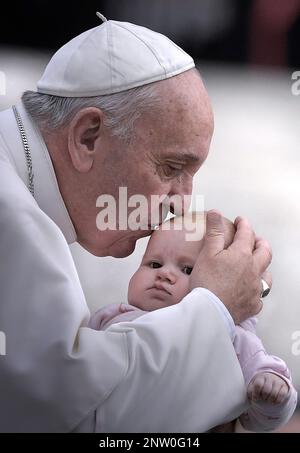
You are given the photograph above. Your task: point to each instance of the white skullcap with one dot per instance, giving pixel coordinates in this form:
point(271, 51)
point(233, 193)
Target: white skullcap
point(110, 58)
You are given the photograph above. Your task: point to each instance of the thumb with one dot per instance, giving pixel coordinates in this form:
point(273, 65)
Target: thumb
point(214, 239)
point(123, 308)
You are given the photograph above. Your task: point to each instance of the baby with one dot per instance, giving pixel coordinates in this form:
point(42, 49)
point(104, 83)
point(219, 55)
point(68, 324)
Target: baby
point(163, 279)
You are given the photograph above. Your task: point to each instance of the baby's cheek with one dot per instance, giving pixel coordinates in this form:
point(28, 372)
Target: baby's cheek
point(132, 290)
point(136, 288)
point(183, 289)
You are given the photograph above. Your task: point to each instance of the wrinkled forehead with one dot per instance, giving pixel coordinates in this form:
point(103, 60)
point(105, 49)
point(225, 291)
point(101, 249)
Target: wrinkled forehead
point(183, 118)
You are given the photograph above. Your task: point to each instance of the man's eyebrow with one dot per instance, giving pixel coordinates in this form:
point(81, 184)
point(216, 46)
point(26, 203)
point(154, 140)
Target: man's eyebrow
point(185, 156)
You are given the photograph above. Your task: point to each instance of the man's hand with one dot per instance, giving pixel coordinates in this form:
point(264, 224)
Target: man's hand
point(267, 387)
point(233, 274)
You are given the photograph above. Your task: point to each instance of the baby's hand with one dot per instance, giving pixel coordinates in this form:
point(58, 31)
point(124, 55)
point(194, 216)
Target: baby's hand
point(106, 314)
point(267, 387)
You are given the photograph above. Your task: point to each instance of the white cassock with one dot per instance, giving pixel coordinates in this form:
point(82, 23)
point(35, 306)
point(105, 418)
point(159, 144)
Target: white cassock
point(172, 370)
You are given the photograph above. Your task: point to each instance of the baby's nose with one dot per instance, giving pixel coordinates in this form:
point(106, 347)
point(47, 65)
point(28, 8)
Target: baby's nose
point(167, 274)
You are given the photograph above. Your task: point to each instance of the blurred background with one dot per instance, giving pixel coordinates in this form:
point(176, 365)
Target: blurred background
point(246, 52)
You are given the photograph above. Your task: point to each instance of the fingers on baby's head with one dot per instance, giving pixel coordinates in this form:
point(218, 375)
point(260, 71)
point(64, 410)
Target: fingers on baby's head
point(229, 232)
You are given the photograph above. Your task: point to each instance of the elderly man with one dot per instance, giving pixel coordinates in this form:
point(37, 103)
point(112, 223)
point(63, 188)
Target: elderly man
point(118, 106)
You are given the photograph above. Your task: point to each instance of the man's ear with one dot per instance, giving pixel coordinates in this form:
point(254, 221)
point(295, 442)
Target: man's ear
point(83, 137)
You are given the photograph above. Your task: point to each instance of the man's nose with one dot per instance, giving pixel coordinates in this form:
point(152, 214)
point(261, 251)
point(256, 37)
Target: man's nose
point(166, 273)
point(179, 197)
point(182, 185)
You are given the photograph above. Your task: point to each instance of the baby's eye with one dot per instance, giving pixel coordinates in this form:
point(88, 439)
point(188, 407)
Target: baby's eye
point(154, 265)
point(187, 270)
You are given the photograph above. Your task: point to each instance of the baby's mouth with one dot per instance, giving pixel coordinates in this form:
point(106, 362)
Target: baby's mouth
point(159, 287)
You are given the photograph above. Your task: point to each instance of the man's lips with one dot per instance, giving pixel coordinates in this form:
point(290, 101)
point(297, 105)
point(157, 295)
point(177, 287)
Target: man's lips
point(139, 234)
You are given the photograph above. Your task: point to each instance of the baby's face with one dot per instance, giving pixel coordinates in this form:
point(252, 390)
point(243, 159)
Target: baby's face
point(163, 276)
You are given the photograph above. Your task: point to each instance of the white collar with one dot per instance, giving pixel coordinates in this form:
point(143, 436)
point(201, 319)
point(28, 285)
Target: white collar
point(46, 190)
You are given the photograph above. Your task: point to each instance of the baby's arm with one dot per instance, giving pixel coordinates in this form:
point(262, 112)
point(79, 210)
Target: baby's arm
point(112, 314)
point(268, 387)
point(270, 391)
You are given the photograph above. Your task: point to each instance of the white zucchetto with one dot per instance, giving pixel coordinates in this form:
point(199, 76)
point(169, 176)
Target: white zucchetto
point(113, 57)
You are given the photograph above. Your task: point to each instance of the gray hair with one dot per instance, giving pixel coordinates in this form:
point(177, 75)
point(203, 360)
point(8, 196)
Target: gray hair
point(121, 110)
